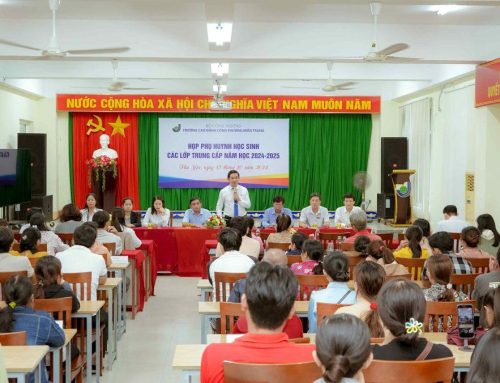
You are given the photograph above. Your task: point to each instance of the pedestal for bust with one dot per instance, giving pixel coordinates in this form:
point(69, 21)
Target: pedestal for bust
point(105, 198)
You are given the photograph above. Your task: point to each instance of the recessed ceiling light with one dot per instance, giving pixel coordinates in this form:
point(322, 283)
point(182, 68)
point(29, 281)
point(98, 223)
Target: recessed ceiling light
point(219, 88)
point(219, 33)
point(446, 8)
point(220, 69)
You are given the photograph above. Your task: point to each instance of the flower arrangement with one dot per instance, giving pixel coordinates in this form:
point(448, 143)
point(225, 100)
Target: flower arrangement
point(216, 221)
point(99, 166)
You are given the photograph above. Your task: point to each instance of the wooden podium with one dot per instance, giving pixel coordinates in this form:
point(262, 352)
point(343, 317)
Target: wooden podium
point(402, 196)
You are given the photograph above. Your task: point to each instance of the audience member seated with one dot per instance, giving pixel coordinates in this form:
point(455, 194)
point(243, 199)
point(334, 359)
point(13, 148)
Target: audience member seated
point(343, 349)
point(489, 305)
point(105, 232)
point(469, 241)
point(10, 262)
point(426, 233)
point(314, 215)
point(80, 259)
point(451, 223)
point(90, 207)
point(118, 222)
point(267, 303)
point(361, 247)
point(54, 243)
point(413, 249)
point(296, 244)
point(336, 269)
point(283, 231)
point(378, 252)
point(132, 218)
point(359, 224)
point(369, 279)
point(490, 238)
point(196, 216)
point(343, 213)
point(70, 218)
point(28, 245)
point(157, 215)
point(442, 243)
point(249, 246)
point(439, 269)
point(401, 305)
point(250, 233)
point(482, 282)
point(485, 361)
point(278, 209)
point(312, 254)
point(18, 315)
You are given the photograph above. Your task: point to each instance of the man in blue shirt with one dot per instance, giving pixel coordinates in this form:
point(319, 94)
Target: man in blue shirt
point(196, 215)
point(272, 213)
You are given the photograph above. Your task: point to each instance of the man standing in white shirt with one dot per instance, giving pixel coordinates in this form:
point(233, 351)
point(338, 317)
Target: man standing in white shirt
point(314, 215)
point(343, 213)
point(233, 199)
point(451, 222)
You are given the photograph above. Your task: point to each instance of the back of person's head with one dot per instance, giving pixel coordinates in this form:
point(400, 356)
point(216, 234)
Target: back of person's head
point(283, 223)
point(314, 251)
point(4, 222)
point(85, 235)
point(118, 218)
point(440, 268)
point(47, 272)
point(275, 257)
point(358, 220)
point(361, 245)
point(270, 294)
point(398, 302)
point(336, 266)
point(424, 225)
point(377, 249)
point(6, 239)
point(486, 222)
point(370, 277)
point(441, 241)
point(70, 212)
point(298, 240)
point(250, 225)
point(471, 236)
point(240, 224)
point(342, 347)
point(450, 210)
point(17, 291)
point(38, 220)
point(29, 240)
point(485, 363)
point(414, 235)
point(101, 218)
point(490, 308)
point(230, 239)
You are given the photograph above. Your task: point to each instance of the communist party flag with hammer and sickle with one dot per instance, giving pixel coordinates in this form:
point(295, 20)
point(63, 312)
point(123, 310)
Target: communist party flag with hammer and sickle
point(122, 131)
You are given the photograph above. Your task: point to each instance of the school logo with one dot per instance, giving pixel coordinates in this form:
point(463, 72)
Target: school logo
point(403, 190)
point(177, 128)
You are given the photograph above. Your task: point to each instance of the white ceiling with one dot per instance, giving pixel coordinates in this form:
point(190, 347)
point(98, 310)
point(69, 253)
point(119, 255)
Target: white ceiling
point(276, 45)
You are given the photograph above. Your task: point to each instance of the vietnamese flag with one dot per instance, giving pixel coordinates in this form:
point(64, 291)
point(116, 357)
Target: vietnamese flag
point(122, 131)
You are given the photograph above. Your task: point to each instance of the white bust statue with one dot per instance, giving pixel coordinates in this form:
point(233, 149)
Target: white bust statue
point(105, 150)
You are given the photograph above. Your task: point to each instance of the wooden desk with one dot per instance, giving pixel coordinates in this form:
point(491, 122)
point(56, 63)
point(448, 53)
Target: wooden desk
point(110, 286)
point(22, 360)
point(205, 289)
point(119, 270)
point(89, 309)
point(56, 356)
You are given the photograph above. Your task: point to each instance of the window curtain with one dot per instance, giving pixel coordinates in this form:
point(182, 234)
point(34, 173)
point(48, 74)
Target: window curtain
point(326, 150)
point(417, 128)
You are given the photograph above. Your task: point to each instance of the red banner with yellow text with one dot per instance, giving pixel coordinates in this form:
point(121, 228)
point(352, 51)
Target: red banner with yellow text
point(207, 104)
point(488, 83)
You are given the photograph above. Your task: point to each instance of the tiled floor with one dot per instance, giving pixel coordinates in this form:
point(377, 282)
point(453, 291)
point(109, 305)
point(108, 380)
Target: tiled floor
point(146, 350)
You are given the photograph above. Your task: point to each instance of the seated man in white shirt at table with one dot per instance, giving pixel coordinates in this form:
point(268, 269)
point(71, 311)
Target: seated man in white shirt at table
point(196, 215)
point(233, 199)
point(270, 215)
point(105, 232)
point(451, 223)
point(343, 213)
point(314, 215)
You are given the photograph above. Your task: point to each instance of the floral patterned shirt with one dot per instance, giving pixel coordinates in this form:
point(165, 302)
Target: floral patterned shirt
point(303, 268)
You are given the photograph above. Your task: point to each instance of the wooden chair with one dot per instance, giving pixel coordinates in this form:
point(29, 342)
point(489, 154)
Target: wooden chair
point(277, 245)
point(413, 265)
point(66, 238)
point(111, 246)
point(426, 371)
point(334, 238)
point(81, 284)
point(326, 309)
point(376, 340)
point(404, 276)
point(271, 373)
point(304, 340)
point(264, 235)
point(229, 313)
point(464, 282)
point(13, 338)
point(293, 259)
point(480, 265)
point(353, 262)
point(456, 241)
point(347, 246)
point(6, 275)
point(224, 283)
point(445, 310)
point(39, 247)
point(309, 283)
point(388, 239)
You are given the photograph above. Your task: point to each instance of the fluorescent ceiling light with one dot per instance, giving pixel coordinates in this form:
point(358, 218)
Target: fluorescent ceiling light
point(220, 69)
point(219, 33)
point(219, 88)
point(444, 9)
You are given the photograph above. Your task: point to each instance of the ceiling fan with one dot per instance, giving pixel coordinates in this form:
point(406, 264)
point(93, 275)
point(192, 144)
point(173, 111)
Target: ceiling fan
point(329, 86)
point(53, 49)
